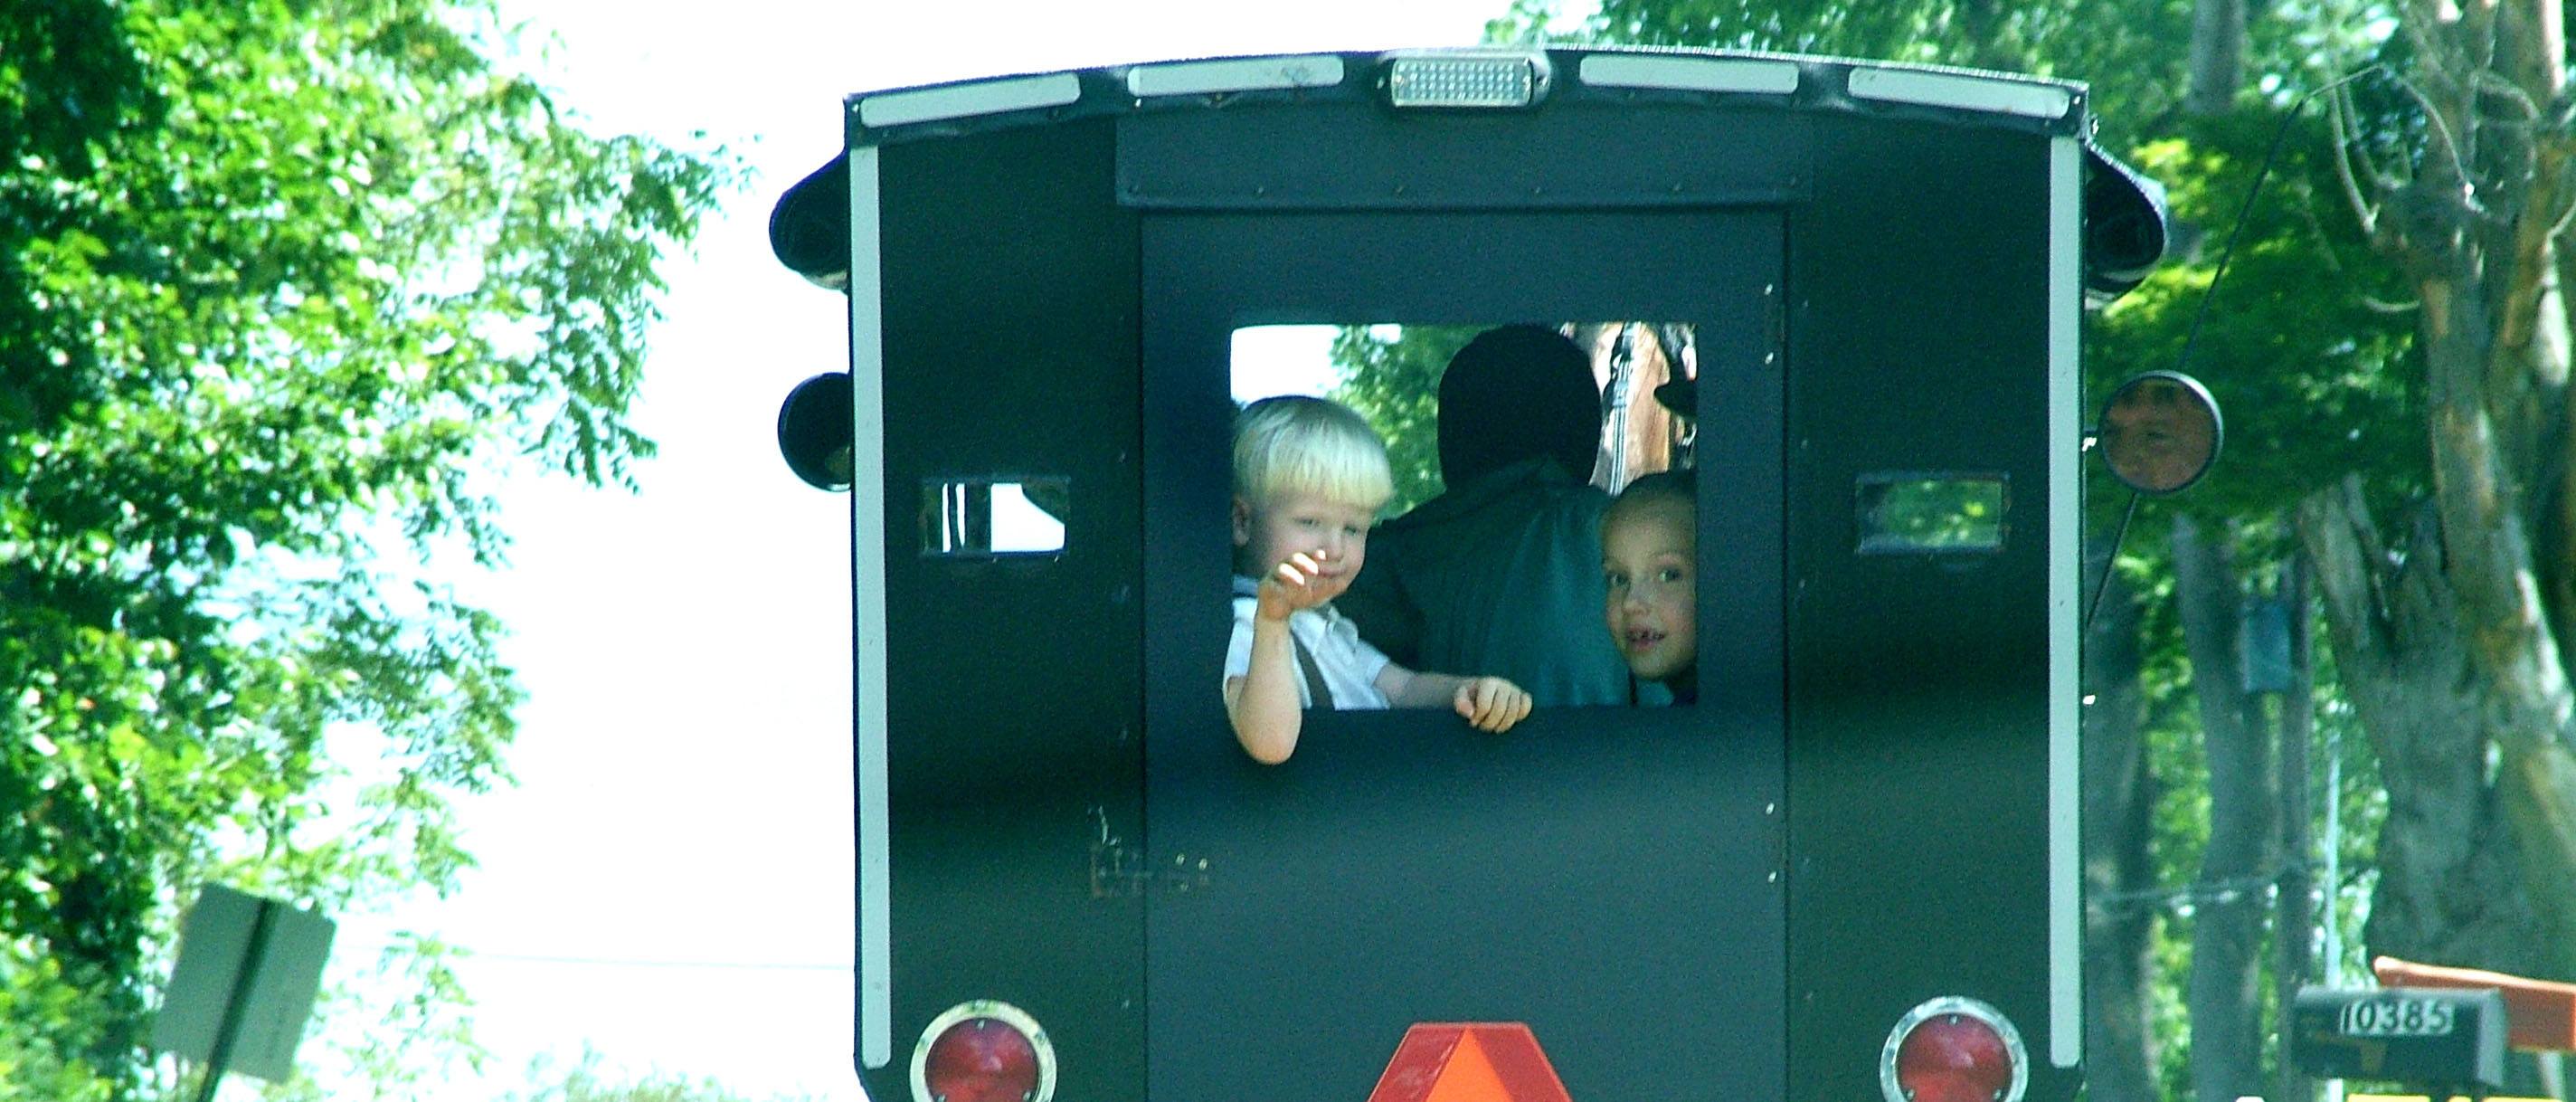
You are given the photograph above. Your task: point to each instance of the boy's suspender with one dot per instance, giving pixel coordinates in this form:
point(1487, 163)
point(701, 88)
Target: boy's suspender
point(1319, 694)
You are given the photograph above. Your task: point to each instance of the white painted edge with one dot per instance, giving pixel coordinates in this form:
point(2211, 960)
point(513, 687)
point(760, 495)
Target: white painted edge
point(1689, 74)
point(868, 612)
point(2065, 561)
point(1967, 93)
point(1242, 74)
point(957, 101)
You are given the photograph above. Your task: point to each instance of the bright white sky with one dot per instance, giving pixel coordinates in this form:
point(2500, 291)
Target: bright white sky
point(670, 884)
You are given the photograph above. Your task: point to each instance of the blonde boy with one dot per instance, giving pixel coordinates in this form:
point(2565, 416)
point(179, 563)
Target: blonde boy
point(1309, 478)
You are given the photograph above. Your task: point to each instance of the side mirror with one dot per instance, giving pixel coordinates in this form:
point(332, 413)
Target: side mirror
point(816, 433)
point(2160, 432)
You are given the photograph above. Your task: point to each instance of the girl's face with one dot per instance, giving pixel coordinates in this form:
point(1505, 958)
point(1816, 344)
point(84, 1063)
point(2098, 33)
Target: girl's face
point(1649, 558)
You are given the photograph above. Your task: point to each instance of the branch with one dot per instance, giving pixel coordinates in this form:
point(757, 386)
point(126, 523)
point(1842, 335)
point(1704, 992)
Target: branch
point(2441, 129)
point(2362, 210)
point(2487, 81)
point(2344, 549)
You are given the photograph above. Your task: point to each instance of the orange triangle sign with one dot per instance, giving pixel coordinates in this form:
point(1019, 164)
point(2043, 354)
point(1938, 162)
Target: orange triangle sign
point(1469, 1062)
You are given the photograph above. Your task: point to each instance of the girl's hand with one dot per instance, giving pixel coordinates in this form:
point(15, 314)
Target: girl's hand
point(1491, 703)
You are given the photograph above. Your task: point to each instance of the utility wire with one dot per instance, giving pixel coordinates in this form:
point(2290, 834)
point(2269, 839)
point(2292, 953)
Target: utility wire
point(2224, 890)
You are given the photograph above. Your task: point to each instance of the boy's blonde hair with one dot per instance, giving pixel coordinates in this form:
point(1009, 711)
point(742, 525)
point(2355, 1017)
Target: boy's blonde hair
point(1295, 444)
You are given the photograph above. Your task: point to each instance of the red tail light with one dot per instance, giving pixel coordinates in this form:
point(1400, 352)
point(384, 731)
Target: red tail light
point(983, 1051)
point(1953, 1050)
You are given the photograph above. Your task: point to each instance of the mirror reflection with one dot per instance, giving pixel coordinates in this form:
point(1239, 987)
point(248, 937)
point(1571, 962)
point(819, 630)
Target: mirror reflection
point(2160, 432)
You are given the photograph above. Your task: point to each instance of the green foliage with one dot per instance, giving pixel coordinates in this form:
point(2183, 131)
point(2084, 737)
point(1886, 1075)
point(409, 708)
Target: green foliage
point(1393, 379)
point(2309, 344)
point(1934, 512)
point(274, 276)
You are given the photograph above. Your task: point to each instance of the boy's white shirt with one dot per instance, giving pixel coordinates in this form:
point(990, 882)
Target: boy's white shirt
point(1350, 666)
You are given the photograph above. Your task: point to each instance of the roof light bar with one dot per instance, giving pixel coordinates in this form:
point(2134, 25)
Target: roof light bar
point(1244, 74)
point(1470, 79)
point(1689, 74)
point(1967, 93)
point(957, 101)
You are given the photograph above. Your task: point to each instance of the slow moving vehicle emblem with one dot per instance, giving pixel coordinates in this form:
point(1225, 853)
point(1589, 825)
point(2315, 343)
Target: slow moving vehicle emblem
point(1469, 1062)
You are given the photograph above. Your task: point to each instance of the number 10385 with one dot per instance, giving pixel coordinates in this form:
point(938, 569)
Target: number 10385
point(2398, 1018)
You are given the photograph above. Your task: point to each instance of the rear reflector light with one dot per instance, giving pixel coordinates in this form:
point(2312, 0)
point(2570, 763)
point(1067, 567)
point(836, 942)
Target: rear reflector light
point(1953, 1050)
point(983, 1051)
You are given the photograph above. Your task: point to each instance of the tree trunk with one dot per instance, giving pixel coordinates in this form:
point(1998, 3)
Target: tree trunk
point(2475, 229)
point(2295, 919)
point(2450, 885)
point(2217, 55)
point(2119, 825)
point(2229, 905)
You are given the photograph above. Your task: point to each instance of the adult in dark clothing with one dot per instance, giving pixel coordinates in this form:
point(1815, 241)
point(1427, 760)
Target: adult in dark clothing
point(1501, 574)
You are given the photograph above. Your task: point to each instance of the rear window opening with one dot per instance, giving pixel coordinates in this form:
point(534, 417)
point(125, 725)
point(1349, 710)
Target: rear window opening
point(1414, 597)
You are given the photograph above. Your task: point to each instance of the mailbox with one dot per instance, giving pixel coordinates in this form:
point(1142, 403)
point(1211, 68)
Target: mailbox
point(2422, 1036)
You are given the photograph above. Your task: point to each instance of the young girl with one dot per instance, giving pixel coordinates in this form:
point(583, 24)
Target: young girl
point(1650, 560)
point(1309, 478)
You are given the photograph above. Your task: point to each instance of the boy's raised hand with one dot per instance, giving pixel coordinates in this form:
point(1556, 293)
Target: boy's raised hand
point(1491, 703)
point(1298, 583)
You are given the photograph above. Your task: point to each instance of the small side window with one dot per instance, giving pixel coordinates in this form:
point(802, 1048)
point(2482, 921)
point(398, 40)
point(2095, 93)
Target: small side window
point(977, 518)
point(1903, 513)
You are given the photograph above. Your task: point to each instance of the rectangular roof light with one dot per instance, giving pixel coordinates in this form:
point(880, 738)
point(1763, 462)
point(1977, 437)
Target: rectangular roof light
point(1464, 80)
point(1967, 93)
point(957, 101)
point(1242, 74)
point(1690, 74)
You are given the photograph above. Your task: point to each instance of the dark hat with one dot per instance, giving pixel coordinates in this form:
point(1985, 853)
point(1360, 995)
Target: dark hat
point(1516, 392)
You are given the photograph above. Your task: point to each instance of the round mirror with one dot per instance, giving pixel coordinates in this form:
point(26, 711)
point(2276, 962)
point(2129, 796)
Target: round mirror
point(2160, 432)
point(815, 431)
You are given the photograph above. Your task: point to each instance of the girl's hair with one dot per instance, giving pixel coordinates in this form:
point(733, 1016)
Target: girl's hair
point(1665, 489)
point(1294, 444)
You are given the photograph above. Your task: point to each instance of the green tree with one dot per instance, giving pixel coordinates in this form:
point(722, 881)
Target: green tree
point(2451, 608)
point(277, 278)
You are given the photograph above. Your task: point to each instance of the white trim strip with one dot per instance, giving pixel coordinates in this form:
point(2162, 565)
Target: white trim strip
point(1689, 74)
point(957, 101)
point(1243, 74)
point(868, 613)
point(2065, 560)
point(1967, 93)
